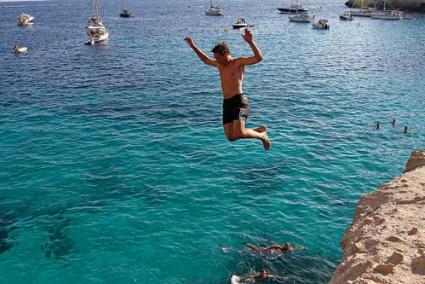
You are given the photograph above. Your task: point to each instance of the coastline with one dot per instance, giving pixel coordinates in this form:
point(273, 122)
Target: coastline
point(386, 241)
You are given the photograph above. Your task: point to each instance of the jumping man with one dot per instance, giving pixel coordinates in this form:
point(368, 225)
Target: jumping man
point(235, 103)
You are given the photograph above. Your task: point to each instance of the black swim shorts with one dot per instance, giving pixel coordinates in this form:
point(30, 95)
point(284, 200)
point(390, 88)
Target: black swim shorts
point(235, 108)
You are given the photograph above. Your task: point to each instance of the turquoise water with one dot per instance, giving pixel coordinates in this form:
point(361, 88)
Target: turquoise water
point(113, 163)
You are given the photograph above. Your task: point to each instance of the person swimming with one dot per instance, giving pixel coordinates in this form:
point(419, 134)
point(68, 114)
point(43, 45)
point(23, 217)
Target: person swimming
point(254, 278)
point(273, 249)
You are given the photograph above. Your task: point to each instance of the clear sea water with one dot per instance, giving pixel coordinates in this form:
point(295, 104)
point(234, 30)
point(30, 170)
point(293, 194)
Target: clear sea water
point(113, 163)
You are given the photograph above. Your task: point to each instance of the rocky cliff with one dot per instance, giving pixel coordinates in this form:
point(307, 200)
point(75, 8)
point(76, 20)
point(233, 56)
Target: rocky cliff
point(386, 242)
point(408, 5)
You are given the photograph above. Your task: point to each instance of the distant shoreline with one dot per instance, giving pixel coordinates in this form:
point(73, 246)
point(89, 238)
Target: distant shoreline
point(14, 1)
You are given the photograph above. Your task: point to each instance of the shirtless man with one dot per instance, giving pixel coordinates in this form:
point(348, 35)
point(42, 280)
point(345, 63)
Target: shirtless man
point(235, 104)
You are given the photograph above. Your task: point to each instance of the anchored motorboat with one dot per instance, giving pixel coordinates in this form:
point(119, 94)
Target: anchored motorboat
point(126, 14)
point(301, 18)
point(214, 10)
point(240, 24)
point(19, 49)
point(321, 24)
point(346, 16)
point(25, 20)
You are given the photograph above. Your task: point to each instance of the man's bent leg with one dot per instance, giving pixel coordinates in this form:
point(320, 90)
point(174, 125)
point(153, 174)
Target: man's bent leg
point(228, 130)
point(241, 132)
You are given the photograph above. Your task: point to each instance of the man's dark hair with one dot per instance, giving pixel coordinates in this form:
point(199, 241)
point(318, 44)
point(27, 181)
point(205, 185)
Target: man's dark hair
point(222, 48)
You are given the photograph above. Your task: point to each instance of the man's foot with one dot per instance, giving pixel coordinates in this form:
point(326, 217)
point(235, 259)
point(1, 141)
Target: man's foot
point(261, 129)
point(266, 141)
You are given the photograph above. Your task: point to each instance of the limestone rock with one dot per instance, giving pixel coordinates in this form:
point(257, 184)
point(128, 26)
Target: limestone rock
point(418, 265)
point(384, 268)
point(385, 242)
point(410, 5)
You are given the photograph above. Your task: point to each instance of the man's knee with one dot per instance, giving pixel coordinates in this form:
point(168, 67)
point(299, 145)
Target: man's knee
point(231, 138)
point(241, 134)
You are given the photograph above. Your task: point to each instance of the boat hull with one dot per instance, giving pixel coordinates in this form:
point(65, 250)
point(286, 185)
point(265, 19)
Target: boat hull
point(214, 13)
point(362, 13)
point(321, 25)
point(293, 9)
point(20, 50)
point(300, 19)
point(98, 39)
point(239, 26)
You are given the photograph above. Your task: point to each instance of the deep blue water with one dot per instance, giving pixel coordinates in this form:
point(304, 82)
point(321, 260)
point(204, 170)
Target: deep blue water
point(113, 163)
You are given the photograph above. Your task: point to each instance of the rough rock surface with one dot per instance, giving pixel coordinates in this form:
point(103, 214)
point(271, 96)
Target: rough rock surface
point(408, 5)
point(386, 242)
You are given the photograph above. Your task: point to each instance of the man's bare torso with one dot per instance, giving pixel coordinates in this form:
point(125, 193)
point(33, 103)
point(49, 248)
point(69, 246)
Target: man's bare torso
point(231, 76)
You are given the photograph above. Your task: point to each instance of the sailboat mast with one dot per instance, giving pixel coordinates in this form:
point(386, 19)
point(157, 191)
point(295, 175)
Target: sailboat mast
point(92, 7)
point(97, 8)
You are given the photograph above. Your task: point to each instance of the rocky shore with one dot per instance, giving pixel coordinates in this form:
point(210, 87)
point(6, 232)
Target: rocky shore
point(406, 5)
point(386, 241)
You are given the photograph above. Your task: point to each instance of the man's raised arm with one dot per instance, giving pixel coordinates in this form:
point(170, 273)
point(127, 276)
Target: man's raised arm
point(257, 53)
point(200, 53)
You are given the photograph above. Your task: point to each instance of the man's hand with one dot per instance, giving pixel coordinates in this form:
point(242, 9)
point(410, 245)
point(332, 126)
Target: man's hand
point(189, 41)
point(247, 36)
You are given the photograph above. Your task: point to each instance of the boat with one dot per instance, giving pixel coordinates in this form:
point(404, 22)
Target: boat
point(293, 9)
point(301, 18)
point(391, 15)
point(25, 20)
point(367, 12)
point(126, 14)
point(321, 24)
point(240, 24)
point(214, 10)
point(20, 49)
point(346, 16)
point(95, 29)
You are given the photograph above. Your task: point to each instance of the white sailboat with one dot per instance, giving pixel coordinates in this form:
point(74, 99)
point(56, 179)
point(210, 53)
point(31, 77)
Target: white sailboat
point(214, 10)
point(391, 15)
point(95, 29)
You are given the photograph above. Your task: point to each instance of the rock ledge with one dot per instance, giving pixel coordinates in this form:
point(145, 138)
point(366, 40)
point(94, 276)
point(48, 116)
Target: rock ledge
point(386, 242)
